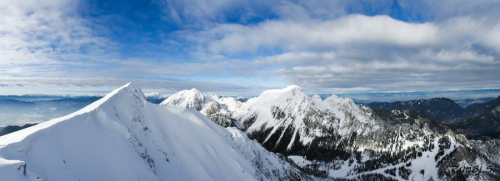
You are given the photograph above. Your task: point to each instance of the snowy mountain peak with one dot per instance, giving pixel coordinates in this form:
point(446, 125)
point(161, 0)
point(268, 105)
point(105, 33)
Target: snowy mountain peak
point(275, 112)
point(287, 119)
point(187, 98)
point(129, 89)
point(335, 100)
point(192, 91)
point(127, 94)
point(283, 95)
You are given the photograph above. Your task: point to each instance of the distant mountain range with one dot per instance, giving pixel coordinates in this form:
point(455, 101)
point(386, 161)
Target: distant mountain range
point(438, 108)
point(476, 120)
point(466, 102)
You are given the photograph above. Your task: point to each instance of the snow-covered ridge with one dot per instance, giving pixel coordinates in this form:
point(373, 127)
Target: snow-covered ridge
point(124, 137)
point(187, 99)
point(218, 109)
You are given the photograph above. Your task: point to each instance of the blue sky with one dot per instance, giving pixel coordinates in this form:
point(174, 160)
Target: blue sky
point(245, 47)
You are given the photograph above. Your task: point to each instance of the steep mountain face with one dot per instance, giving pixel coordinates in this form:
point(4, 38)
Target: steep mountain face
point(124, 137)
point(436, 108)
point(219, 110)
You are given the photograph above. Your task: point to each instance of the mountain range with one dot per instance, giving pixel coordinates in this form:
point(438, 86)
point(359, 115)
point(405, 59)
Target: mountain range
point(336, 138)
point(476, 121)
point(439, 108)
point(283, 134)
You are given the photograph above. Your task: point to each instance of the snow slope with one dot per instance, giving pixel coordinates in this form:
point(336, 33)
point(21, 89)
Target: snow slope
point(124, 137)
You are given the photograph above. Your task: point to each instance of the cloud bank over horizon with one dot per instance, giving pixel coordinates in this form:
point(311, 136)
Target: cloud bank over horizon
point(244, 47)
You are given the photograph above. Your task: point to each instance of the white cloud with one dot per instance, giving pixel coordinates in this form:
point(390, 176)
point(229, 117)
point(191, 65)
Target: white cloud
point(39, 35)
point(315, 44)
point(378, 52)
point(392, 76)
point(353, 30)
point(318, 35)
